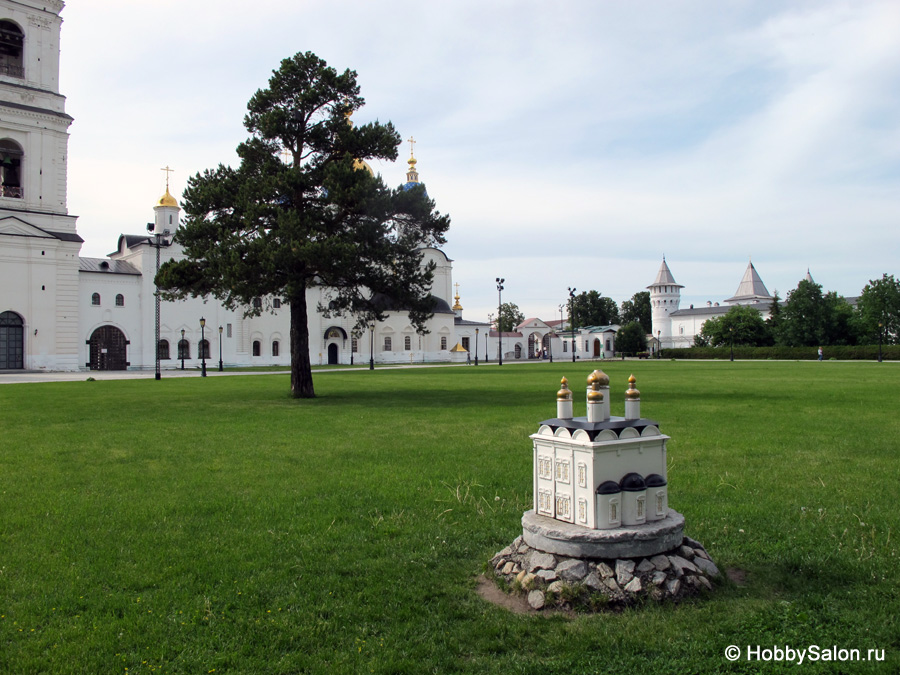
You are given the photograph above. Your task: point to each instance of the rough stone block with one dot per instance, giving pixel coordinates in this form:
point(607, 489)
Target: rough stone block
point(508, 568)
point(706, 583)
point(693, 543)
point(572, 570)
point(556, 587)
point(592, 581)
point(536, 599)
point(633, 586)
point(547, 575)
point(538, 560)
point(682, 564)
point(707, 566)
point(658, 578)
point(673, 586)
point(624, 571)
point(612, 585)
point(645, 566)
point(686, 551)
point(604, 570)
point(661, 562)
point(701, 553)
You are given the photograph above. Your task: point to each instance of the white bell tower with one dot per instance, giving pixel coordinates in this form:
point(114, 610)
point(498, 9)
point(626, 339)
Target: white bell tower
point(38, 243)
point(665, 296)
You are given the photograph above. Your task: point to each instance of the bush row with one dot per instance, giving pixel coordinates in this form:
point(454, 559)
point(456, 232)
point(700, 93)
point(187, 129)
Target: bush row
point(841, 353)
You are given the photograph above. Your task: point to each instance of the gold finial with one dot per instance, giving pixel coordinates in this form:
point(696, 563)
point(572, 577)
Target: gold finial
point(456, 305)
point(564, 394)
point(632, 393)
point(412, 142)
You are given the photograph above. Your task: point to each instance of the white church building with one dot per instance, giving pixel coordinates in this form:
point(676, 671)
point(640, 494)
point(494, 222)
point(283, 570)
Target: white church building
point(59, 311)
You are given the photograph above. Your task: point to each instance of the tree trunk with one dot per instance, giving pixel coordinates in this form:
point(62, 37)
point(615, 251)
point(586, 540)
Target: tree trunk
point(301, 372)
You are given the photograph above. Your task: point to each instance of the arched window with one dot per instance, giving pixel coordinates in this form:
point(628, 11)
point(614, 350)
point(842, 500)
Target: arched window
point(12, 42)
point(354, 345)
point(443, 344)
point(407, 343)
point(120, 300)
point(11, 156)
point(184, 349)
point(95, 299)
point(204, 349)
point(257, 303)
point(257, 347)
point(275, 348)
point(276, 303)
point(518, 351)
point(163, 350)
point(387, 344)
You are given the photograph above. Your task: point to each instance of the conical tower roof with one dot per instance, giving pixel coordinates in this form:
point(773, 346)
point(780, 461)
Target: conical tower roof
point(664, 277)
point(751, 288)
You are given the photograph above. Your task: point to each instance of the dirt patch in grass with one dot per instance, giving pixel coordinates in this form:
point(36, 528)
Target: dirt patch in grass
point(737, 576)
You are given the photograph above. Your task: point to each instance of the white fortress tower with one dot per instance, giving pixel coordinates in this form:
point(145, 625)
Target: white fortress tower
point(665, 296)
point(38, 243)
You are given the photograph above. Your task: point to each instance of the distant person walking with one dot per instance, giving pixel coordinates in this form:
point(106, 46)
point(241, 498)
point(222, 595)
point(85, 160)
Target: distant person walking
point(820, 354)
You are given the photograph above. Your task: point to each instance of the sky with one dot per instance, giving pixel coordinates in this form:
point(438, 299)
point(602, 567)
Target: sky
point(573, 144)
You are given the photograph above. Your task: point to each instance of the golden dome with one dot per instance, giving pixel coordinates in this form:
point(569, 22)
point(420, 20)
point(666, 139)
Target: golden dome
point(594, 396)
point(601, 378)
point(167, 200)
point(564, 394)
point(412, 161)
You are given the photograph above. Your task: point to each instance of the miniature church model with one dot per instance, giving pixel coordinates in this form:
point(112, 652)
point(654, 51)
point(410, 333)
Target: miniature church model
point(602, 479)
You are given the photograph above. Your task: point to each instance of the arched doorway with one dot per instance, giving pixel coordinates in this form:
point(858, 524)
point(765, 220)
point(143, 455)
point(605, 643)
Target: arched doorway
point(12, 341)
point(596, 347)
point(107, 347)
point(332, 354)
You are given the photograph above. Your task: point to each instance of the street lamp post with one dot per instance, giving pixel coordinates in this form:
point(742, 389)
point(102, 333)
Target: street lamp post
point(220, 350)
point(658, 344)
point(487, 333)
point(476, 346)
point(202, 349)
point(572, 318)
point(731, 330)
point(157, 242)
point(372, 346)
point(181, 348)
point(500, 320)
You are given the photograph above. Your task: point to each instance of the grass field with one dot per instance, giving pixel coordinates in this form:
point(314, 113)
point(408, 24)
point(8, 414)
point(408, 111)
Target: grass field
point(216, 525)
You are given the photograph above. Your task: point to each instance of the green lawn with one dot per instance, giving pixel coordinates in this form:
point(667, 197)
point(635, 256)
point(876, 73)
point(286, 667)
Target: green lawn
point(216, 525)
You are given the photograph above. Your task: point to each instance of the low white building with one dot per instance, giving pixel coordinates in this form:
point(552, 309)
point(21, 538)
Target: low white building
point(62, 312)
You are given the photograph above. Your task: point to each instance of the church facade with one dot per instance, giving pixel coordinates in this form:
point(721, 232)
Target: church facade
point(60, 311)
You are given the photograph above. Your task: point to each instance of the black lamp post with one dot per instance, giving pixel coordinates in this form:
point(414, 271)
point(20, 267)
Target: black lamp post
point(157, 242)
point(572, 318)
point(658, 344)
point(181, 346)
point(202, 347)
point(372, 346)
point(220, 350)
point(880, 339)
point(500, 320)
point(487, 333)
point(476, 346)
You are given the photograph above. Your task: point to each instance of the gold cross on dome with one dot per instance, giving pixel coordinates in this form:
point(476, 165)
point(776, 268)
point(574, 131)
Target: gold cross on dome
point(411, 143)
point(457, 289)
point(168, 171)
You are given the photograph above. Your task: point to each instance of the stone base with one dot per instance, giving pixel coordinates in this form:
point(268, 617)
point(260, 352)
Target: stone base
point(574, 541)
point(548, 580)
